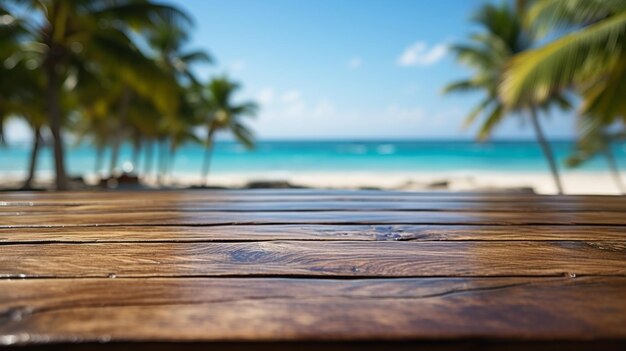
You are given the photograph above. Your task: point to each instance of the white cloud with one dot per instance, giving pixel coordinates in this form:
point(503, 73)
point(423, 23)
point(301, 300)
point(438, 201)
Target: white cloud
point(355, 63)
point(419, 54)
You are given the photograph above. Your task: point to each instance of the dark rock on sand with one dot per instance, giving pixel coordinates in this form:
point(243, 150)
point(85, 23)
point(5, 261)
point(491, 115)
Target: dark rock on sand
point(278, 184)
point(123, 181)
point(442, 184)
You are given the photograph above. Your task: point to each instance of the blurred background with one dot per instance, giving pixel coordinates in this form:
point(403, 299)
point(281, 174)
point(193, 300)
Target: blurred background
point(377, 94)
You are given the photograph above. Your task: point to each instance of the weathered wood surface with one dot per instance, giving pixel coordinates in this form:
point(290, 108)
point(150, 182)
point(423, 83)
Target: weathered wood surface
point(305, 265)
point(312, 232)
point(333, 205)
point(285, 258)
point(294, 309)
point(192, 202)
point(173, 217)
point(282, 195)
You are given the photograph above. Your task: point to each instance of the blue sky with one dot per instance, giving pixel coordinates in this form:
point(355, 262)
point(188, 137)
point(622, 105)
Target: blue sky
point(346, 68)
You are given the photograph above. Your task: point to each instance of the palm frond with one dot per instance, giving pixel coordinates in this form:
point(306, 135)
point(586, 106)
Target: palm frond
point(135, 69)
point(547, 15)
point(605, 100)
point(474, 56)
point(248, 109)
point(536, 75)
point(243, 135)
point(477, 111)
point(140, 14)
point(199, 56)
point(463, 86)
point(493, 119)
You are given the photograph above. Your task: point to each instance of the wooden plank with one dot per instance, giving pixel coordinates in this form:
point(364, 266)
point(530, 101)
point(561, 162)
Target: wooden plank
point(334, 205)
point(318, 217)
point(284, 192)
point(159, 199)
point(156, 197)
point(589, 308)
point(293, 258)
point(245, 192)
point(336, 345)
point(222, 266)
point(311, 232)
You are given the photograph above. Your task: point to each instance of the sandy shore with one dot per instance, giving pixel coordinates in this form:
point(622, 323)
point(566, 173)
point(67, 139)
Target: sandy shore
point(574, 182)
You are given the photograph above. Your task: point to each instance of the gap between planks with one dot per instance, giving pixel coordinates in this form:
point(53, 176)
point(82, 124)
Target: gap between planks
point(243, 233)
point(320, 217)
point(397, 206)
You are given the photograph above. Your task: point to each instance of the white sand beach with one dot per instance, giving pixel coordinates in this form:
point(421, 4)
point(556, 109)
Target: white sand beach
point(574, 182)
point(542, 183)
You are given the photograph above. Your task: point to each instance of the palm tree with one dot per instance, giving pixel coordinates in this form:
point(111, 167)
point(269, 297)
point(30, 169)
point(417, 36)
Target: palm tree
point(28, 104)
point(23, 101)
point(600, 143)
point(94, 125)
point(222, 113)
point(21, 86)
point(147, 125)
point(590, 59)
point(168, 43)
point(181, 128)
point(10, 32)
point(488, 54)
point(78, 35)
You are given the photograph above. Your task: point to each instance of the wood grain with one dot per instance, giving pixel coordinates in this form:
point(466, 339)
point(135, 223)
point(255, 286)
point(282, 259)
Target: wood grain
point(336, 205)
point(311, 232)
point(297, 217)
point(308, 265)
point(293, 309)
point(277, 258)
point(285, 195)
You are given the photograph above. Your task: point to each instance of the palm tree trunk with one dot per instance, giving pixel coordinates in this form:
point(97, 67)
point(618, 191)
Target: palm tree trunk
point(99, 159)
point(53, 89)
point(147, 166)
point(159, 161)
point(115, 151)
point(614, 169)
point(208, 152)
point(28, 183)
point(2, 138)
point(117, 139)
point(547, 151)
point(136, 153)
point(162, 158)
point(172, 159)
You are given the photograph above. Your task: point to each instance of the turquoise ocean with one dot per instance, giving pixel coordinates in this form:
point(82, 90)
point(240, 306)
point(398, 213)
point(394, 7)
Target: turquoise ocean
point(329, 156)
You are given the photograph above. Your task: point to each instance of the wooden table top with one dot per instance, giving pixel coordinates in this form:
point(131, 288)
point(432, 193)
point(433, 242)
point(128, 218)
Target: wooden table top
point(277, 267)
